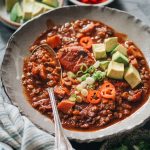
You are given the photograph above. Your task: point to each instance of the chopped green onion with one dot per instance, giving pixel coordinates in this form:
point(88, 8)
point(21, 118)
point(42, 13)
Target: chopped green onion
point(96, 65)
point(83, 68)
point(79, 73)
point(73, 97)
point(91, 69)
point(83, 84)
point(79, 87)
point(79, 79)
point(84, 92)
point(83, 78)
point(71, 74)
point(99, 75)
point(92, 86)
point(90, 80)
point(79, 99)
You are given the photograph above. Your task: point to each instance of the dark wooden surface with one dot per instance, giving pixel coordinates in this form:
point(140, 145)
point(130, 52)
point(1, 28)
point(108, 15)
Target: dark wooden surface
point(139, 8)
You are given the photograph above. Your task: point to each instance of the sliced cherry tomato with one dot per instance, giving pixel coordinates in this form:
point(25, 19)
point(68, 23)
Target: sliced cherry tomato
point(94, 1)
point(103, 1)
point(86, 42)
point(94, 96)
point(85, 1)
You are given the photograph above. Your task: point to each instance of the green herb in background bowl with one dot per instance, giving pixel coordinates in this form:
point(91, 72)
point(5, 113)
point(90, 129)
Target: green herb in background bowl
point(138, 140)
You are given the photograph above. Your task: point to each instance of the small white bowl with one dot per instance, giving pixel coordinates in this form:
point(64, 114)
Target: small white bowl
point(5, 16)
point(84, 4)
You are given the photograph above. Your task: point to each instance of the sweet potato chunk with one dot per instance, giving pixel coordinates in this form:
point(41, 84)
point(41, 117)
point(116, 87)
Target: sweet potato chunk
point(54, 41)
point(59, 91)
point(65, 106)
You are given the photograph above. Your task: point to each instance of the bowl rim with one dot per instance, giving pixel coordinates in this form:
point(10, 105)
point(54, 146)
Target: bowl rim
point(10, 23)
point(83, 139)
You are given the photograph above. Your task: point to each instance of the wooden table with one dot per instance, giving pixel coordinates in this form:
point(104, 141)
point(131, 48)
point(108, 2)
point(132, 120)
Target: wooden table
point(139, 8)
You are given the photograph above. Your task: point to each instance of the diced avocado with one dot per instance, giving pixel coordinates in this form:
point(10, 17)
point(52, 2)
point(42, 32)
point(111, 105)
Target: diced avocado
point(115, 70)
point(104, 64)
point(132, 76)
point(28, 6)
point(111, 43)
point(121, 49)
point(9, 4)
point(99, 51)
point(37, 9)
point(53, 3)
point(44, 6)
point(120, 58)
point(16, 13)
point(28, 1)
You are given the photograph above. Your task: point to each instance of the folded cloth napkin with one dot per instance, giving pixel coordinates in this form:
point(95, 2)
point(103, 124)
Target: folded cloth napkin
point(19, 133)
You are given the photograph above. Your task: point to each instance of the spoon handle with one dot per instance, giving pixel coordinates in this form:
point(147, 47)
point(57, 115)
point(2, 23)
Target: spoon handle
point(61, 141)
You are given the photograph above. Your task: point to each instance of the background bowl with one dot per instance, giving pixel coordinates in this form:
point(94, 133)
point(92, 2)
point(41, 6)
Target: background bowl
point(77, 2)
point(5, 16)
point(20, 41)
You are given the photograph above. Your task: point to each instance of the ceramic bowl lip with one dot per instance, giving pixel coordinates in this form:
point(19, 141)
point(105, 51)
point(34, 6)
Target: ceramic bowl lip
point(9, 22)
point(84, 4)
point(86, 139)
point(15, 25)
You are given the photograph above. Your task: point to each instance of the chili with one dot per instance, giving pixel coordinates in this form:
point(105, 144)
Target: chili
point(94, 97)
point(86, 42)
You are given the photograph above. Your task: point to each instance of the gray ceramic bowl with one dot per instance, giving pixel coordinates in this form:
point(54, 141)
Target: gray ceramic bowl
point(17, 48)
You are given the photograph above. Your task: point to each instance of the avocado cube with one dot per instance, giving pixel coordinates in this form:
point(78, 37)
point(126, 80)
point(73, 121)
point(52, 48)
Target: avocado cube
point(104, 64)
point(111, 43)
point(115, 70)
point(120, 58)
point(44, 6)
point(16, 13)
point(99, 51)
point(121, 49)
point(132, 76)
point(9, 4)
point(53, 3)
point(28, 6)
point(37, 9)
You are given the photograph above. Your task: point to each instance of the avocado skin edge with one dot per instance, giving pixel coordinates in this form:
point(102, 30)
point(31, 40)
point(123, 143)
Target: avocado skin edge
point(16, 13)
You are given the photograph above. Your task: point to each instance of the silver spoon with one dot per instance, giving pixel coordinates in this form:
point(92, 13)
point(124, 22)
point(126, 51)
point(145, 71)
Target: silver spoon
point(61, 141)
